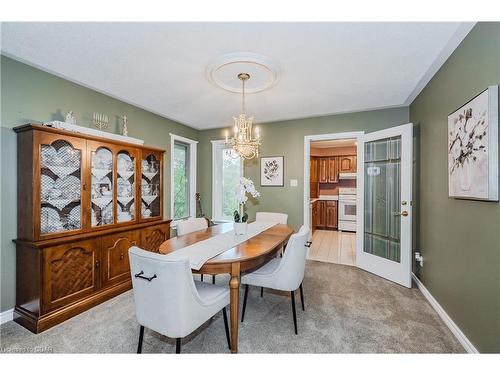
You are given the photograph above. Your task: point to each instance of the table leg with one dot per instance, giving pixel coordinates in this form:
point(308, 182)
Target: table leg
point(234, 285)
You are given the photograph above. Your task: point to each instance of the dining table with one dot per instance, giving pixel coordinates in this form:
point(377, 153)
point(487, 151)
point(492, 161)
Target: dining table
point(246, 256)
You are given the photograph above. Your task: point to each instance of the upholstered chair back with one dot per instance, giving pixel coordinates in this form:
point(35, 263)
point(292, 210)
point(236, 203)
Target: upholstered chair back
point(191, 225)
point(290, 272)
point(272, 216)
point(165, 295)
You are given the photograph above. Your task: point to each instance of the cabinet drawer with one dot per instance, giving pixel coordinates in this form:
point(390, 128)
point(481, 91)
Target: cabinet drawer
point(70, 273)
point(114, 251)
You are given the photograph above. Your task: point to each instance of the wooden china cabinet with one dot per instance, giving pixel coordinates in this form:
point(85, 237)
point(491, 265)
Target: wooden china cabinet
point(82, 201)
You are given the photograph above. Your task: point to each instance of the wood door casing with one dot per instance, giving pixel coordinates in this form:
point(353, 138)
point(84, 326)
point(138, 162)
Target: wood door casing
point(115, 263)
point(70, 272)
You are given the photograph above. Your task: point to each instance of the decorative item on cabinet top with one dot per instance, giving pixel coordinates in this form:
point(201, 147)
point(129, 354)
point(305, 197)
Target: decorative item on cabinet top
point(83, 183)
point(93, 132)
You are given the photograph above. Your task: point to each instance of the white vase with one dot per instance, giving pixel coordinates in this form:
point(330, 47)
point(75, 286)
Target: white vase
point(240, 228)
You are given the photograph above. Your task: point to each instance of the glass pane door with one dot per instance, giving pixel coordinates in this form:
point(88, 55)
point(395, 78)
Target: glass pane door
point(382, 198)
point(60, 187)
point(385, 245)
point(125, 208)
point(102, 187)
point(150, 187)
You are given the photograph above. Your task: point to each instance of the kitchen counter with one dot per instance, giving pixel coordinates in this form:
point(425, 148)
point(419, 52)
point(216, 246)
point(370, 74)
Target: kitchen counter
point(325, 198)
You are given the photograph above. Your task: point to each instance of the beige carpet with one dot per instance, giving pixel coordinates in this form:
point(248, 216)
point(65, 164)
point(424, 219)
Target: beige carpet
point(347, 311)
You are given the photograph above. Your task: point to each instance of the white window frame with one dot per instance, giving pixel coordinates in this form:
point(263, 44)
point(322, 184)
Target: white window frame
point(218, 146)
point(192, 146)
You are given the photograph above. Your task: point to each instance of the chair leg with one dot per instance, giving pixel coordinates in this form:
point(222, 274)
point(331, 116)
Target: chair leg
point(213, 279)
point(262, 291)
point(201, 277)
point(293, 310)
point(244, 303)
point(178, 345)
point(141, 336)
point(226, 327)
point(302, 297)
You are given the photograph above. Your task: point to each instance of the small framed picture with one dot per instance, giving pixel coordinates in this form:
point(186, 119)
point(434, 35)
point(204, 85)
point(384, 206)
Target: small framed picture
point(272, 171)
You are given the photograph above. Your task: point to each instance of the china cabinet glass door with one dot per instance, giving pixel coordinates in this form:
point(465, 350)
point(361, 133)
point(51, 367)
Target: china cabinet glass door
point(126, 186)
point(61, 165)
point(102, 192)
point(150, 186)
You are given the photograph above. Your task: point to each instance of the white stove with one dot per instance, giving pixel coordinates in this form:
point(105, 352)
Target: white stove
point(347, 209)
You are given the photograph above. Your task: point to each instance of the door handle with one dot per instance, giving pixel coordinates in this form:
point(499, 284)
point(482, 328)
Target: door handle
point(404, 213)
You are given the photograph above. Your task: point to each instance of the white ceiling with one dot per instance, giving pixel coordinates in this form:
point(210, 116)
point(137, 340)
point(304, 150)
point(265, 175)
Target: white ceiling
point(325, 68)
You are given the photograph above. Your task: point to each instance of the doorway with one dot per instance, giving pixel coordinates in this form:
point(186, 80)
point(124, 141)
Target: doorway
point(383, 199)
point(333, 212)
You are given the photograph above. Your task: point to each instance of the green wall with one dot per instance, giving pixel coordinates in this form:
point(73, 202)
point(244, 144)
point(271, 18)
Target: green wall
point(287, 138)
point(31, 95)
point(459, 239)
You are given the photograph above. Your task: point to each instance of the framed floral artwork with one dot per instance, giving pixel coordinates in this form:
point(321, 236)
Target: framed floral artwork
point(272, 171)
point(473, 148)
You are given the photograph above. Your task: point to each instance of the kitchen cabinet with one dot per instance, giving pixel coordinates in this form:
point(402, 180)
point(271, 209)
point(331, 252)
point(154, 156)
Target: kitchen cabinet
point(333, 172)
point(321, 214)
point(347, 164)
point(314, 216)
point(325, 215)
point(328, 170)
point(314, 169)
point(331, 215)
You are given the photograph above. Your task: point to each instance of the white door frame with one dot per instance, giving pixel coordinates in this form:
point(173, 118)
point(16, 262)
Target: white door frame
point(359, 136)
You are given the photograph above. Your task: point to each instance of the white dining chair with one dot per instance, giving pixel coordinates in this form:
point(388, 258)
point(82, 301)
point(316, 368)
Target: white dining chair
point(277, 217)
point(168, 300)
point(190, 225)
point(272, 216)
point(285, 274)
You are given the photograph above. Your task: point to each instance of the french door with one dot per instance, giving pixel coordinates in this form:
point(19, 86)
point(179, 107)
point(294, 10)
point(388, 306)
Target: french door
point(386, 211)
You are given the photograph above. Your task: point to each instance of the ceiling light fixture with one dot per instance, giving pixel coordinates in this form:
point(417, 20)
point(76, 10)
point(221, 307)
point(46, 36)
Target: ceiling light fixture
point(243, 142)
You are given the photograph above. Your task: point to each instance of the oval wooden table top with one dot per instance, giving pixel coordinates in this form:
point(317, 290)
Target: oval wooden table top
point(250, 250)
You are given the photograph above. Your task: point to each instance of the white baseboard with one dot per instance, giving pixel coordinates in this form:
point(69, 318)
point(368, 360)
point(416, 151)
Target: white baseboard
point(469, 348)
point(6, 316)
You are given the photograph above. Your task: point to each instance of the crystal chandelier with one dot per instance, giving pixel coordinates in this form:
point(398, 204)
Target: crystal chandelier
point(242, 142)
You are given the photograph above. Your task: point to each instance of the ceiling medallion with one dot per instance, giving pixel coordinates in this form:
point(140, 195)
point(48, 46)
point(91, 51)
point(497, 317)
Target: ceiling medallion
point(243, 142)
point(264, 72)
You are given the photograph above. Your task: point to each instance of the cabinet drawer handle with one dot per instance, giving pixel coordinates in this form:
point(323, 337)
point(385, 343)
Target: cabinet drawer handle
point(138, 276)
point(96, 264)
point(121, 256)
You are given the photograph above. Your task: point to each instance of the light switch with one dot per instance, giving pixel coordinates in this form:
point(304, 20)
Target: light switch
point(293, 183)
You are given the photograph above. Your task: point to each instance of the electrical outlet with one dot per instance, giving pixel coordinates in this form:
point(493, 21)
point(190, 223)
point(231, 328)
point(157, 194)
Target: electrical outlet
point(293, 183)
point(419, 258)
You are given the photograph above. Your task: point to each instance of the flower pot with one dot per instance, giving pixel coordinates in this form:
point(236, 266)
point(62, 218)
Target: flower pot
point(240, 228)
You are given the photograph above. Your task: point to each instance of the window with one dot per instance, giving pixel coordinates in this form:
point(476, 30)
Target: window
point(181, 180)
point(227, 170)
point(183, 177)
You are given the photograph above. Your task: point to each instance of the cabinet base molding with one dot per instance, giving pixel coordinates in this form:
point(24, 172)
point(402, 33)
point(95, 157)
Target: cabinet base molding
point(37, 324)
